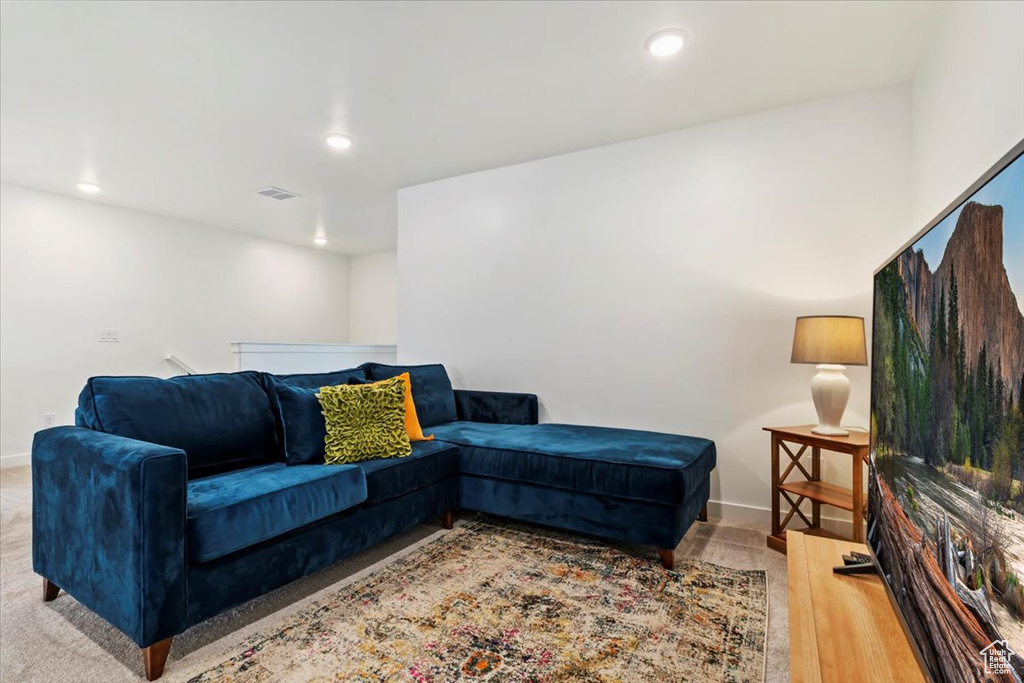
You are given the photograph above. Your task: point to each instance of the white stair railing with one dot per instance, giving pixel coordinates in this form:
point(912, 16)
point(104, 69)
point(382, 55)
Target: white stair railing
point(174, 360)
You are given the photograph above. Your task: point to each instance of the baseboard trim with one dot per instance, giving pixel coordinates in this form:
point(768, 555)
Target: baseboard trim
point(16, 460)
point(739, 512)
point(760, 515)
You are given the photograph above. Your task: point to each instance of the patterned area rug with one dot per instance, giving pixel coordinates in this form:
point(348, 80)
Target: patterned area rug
point(496, 602)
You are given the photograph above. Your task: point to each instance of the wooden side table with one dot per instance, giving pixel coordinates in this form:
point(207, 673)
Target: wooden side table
point(811, 487)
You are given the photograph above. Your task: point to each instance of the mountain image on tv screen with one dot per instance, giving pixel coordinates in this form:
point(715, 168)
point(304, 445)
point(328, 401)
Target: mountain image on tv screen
point(948, 388)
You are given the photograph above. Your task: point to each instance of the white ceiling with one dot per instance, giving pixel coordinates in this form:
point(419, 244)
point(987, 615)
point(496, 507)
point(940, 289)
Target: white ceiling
point(186, 109)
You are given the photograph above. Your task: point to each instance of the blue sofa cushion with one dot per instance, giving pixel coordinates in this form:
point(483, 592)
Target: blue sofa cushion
point(256, 570)
point(627, 463)
point(431, 389)
point(430, 461)
point(234, 510)
point(300, 424)
point(220, 421)
point(315, 380)
point(303, 428)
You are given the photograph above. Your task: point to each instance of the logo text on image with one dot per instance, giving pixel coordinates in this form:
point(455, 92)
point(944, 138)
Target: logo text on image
point(997, 657)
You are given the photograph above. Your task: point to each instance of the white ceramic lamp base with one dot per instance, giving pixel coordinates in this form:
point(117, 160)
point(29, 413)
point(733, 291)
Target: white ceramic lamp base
point(830, 389)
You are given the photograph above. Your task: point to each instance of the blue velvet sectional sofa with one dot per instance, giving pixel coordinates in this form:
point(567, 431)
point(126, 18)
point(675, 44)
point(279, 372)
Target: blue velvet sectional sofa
point(171, 501)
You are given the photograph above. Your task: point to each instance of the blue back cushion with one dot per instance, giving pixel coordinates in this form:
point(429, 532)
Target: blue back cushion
point(301, 425)
point(315, 380)
point(431, 389)
point(221, 421)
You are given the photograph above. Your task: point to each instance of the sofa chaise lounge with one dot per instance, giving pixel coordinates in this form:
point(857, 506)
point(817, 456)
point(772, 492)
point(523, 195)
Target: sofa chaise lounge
point(170, 500)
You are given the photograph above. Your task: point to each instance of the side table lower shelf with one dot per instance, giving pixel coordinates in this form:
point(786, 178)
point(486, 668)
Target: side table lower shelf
point(821, 492)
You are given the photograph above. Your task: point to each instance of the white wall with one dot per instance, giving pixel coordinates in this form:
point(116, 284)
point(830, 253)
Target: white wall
point(69, 267)
point(654, 283)
point(375, 298)
point(967, 102)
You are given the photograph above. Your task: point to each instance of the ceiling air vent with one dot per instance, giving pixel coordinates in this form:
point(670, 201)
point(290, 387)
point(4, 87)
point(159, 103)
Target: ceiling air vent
point(277, 193)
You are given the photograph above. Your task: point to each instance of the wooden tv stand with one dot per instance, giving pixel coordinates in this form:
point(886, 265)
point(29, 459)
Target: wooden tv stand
point(842, 627)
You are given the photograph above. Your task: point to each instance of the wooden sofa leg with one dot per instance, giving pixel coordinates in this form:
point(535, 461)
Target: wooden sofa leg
point(154, 657)
point(668, 560)
point(448, 519)
point(50, 590)
point(703, 514)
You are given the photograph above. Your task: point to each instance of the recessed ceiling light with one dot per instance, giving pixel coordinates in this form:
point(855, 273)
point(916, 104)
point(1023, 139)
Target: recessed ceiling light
point(320, 241)
point(338, 140)
point(88, 188)
point(667, 42)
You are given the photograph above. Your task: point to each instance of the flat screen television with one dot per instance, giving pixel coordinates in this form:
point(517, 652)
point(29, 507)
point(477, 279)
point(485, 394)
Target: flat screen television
point(946, 498)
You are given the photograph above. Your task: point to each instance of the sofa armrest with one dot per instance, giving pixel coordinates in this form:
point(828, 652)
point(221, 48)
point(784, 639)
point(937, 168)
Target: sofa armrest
point(108, 526)
point(496, 406)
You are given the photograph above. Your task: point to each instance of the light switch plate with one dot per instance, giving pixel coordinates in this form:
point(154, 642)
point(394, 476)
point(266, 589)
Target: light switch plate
point(109, 335)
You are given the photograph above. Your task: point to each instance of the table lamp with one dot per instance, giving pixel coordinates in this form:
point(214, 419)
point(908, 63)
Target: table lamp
point(831, 342)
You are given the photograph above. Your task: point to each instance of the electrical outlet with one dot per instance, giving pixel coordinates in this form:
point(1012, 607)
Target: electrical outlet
point(49, 420)
point(109, 335)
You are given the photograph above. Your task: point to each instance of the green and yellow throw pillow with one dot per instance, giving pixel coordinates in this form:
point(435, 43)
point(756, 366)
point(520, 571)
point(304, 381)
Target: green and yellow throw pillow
point(364, 421)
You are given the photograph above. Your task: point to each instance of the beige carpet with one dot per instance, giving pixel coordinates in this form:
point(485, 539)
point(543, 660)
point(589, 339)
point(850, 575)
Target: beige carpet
point(62, 641)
